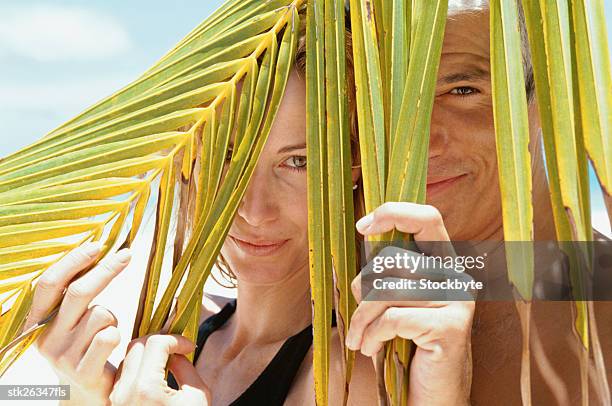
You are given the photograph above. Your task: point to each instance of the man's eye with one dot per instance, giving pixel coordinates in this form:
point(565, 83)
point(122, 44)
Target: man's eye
point(296, 162)
point(464, 91)
point(228, 155)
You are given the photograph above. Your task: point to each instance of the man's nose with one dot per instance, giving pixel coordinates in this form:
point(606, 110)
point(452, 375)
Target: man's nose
point(438, 134)
point(258, 205)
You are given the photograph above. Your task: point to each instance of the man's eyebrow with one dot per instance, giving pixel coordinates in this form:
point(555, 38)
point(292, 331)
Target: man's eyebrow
point(290, 148)
point(468, 75)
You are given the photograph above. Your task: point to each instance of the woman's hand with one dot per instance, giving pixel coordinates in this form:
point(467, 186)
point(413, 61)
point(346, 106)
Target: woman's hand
point(441, 369)
point(140, 380)
point(80, 338)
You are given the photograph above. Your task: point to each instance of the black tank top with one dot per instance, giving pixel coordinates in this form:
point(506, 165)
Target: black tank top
point(272, 386)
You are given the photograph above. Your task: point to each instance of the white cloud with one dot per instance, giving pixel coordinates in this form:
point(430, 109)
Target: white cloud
point(600, 222)
point(53, 33)
point(58, 96)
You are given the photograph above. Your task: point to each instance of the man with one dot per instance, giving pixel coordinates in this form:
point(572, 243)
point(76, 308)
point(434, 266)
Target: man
point(463, 185)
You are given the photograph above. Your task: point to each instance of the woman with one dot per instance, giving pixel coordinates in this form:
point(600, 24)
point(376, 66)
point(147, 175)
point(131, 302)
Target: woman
point(267, 251)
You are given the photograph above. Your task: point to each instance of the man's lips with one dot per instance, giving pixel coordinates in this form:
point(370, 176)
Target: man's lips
point(437, 185)
point(258, 247)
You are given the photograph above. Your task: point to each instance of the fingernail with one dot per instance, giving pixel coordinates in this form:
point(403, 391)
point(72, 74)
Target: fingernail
point(365, 222)
point(124, 256)
point(92, 248)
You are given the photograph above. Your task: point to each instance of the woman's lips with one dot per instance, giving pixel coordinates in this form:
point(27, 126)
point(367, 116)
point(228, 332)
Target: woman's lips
point(259, 249)
point(440, 185)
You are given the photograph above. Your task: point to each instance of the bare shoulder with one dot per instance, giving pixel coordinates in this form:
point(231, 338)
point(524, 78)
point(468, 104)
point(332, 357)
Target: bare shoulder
point(597, 236)
point(212, 304)
point(362, 389)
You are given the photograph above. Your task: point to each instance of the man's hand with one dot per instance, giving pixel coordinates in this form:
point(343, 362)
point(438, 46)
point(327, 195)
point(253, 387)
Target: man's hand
point(140, 379)
point(441, 369)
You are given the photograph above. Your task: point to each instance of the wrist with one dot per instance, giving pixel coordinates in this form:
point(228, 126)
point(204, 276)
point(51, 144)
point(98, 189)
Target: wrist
point(79, 397)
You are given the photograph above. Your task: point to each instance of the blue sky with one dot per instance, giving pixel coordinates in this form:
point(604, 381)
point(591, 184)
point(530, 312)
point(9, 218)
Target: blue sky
point(59, 57)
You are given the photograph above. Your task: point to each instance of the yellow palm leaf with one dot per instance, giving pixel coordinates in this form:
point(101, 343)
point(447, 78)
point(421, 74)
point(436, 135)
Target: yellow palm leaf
point(163, 138)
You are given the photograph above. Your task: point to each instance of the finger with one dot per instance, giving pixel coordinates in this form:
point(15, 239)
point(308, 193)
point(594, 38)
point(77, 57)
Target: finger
point(374, 288)
point(189, 395)
point(96, 319)
point(368, 274)
point(356, 287)
point(424, 221)
point(102, 345)
point(157, 350)
point(129, 367)
point(81, 292)
point(193, 391)
point(400, 262)
point(185, 373)
point(51, 285)
point(406, 292)
point(415, 324)
point(362, 317)
point(368, 311)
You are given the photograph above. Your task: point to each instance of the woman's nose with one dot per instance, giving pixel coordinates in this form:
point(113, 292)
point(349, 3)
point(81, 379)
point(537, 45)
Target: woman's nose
point(259, 204)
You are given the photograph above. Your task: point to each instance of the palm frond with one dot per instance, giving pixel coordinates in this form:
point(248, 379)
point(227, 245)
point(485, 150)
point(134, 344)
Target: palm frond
point(318, 199)
point(155, 140)
point(514, 163)
point(396, 83)
point(339, 168)
point(163, 143)
point(594, 81)
point(564, 61)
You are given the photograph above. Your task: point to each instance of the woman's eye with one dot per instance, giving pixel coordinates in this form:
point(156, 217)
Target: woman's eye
point(464, 91)
point(297, 162)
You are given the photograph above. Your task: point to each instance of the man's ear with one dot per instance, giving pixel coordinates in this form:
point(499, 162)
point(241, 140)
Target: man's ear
point(356, 173)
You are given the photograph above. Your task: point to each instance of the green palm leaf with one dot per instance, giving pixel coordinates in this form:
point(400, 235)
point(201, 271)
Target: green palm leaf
point(514, 162)
point(339, 165)
point(594, 80)
point(398, 84)
point(547, 35)
point(512, 137)
point(162, 137)
point(318, 199)
point(163, 140)
point(373, 142)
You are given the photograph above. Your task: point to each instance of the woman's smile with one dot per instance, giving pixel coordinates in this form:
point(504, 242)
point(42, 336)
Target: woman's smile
point(259, 248)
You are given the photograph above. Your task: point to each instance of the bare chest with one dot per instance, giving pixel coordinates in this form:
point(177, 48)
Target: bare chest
point(228, 379)
point(497, 343)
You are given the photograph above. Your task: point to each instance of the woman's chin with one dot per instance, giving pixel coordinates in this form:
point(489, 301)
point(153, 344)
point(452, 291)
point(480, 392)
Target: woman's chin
point(262, 271)
point(259, 275)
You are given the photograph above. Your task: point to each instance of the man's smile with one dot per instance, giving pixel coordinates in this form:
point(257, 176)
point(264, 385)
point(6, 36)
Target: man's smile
point(435, 186)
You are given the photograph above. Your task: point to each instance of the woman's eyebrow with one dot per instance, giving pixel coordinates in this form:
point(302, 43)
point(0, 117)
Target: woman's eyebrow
point(467, 75)
point(289, 148)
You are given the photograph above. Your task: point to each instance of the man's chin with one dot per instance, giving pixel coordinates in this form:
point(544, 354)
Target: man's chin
point(453, 210)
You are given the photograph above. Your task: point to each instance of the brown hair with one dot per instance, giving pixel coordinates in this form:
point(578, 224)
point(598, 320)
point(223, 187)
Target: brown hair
point(358, 197)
